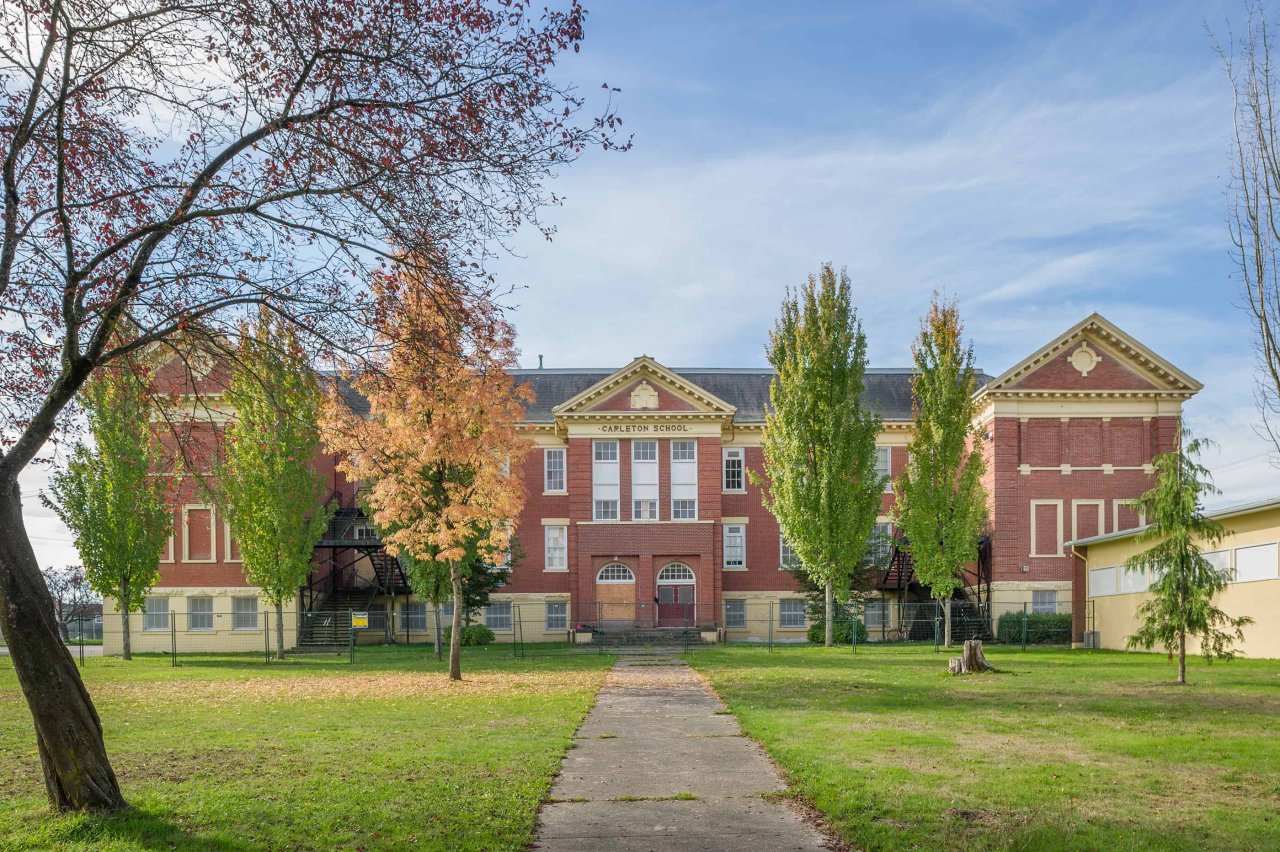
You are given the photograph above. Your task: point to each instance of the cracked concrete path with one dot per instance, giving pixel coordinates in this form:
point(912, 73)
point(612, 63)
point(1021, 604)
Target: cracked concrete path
point(660, 764)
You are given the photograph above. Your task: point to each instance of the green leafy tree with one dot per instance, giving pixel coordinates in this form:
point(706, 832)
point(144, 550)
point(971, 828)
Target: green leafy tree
point(1185, 583)
point(819, 442)
point(265, 484)
point(113, 496)
point(940, 502)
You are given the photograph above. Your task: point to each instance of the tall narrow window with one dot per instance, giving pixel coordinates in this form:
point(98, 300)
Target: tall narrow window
point(735, 614)
point(786, 556)
point(553, 469)
point(684, 480)
point(556, 556)
point(604, 480)
point(735, 546)
point(734, 477)
point(884, 466)
point(644, 480)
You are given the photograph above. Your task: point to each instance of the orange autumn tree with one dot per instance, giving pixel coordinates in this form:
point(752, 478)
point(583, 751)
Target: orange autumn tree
point(435, 451)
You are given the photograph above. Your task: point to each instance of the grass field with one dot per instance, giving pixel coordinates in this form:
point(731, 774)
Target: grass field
point(1060, 750)
point(313, 753)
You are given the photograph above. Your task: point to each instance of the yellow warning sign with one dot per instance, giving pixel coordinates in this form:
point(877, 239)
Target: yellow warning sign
point(359, 620)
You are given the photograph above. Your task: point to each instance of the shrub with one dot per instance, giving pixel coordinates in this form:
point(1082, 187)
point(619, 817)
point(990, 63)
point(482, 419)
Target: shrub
point(843, 632)
point(472, 634)
point(1043, 628)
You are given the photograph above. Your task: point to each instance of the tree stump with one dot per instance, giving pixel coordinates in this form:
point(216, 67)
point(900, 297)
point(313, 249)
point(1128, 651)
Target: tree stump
point(972, 661)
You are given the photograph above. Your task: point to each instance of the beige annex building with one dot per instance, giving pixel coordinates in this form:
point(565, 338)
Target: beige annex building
point(1249, 553)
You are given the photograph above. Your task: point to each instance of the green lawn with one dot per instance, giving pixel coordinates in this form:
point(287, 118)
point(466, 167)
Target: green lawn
point(314, 753)
point(1061, 750)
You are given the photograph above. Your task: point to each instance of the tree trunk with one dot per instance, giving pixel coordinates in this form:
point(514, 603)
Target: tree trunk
point(946, 623)
point(972, 660)
point(437, 631)
point(125, 604)
point(280, 630)
point(77, 773)
point(455, 637)
point(829, 638)
point(1182, 657)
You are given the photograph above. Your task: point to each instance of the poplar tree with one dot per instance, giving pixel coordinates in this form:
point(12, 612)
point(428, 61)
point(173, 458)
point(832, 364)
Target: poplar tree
point(819, 443)
point(940, 503)
point(1185, 583)
point(266, 485)
point(113, 496)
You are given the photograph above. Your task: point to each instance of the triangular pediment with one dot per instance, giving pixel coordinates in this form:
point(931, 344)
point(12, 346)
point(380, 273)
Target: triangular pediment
point(1094, 356)
point(643, 387)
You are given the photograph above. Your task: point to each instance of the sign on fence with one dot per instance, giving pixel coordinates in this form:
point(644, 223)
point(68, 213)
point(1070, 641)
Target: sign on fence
point(359, 621)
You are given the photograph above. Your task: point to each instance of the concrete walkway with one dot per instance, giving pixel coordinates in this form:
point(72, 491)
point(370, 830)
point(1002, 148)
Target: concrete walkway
point(660, 764)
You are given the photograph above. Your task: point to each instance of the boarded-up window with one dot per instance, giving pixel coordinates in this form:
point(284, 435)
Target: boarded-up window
point(1126, 443)
point(1102, 581)
point(1126, 516)
point(198, 535)
point(1046, 528)
point(1043, 443)
point(1084, 443)
point(1256, 563)
point(1087, 521)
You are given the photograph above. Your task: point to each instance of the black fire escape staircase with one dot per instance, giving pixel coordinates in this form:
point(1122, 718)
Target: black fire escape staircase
point(970, 615)
point(338, 587)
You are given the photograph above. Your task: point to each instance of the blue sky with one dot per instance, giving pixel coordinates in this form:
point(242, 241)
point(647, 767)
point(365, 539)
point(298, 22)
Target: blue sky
point(1037, 160)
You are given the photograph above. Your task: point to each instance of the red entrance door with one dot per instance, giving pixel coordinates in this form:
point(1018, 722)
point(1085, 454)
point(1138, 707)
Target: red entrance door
point(675, 606)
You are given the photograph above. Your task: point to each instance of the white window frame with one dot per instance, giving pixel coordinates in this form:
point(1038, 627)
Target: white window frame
point(1260, 549)
point(784, 616)
point(604, 510)
point(606, 498)
point(238, 616)
point(598, 445)
point(881, 609)
point(628, 579)
point(739, 532)
point(563, 563)
point(1094, 580)
point(414, 616)
point(681, 512)
point(192, 614)
point(645, 481)
point(1115, 515)
point(493, 620)
point(739, 455)
point(364, 531)
point(738, 621)
point(646, 516)
point(226, 545)
point(150, 617)
point(561, 617)
point(884, 466)
point(1035, 545)
point(689, 442)
point(547, 454)
point(213, 534)
point(783, 548)
point(1046, 605)
point(677, 574)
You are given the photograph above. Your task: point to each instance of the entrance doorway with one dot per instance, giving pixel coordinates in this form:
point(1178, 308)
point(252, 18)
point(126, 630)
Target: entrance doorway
point(676, 596)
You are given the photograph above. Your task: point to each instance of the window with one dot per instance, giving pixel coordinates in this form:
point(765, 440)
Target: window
point(414, 615)
point(791, 613)
point(155, 614)
point(876, 614)
point(1256, 563)
point(604, 480)
point(1130, 582)
point(200, 613)
point(1044, 602)
point(880, 546)
point(365, 532)
point(497, 616)
point(735, 613)
point(735, 546)
point(684, 450)
point(244, 613)
point(644, 480)
point(1221, 560)
point(676, 572)
point(734, 477)
point(1102, 581)
point(684, 510)
point(446, 613)
point(786, 556)
point(555, 557)
point(615, 572)
point(557, 615)
point(884, 466)
point(553, 469)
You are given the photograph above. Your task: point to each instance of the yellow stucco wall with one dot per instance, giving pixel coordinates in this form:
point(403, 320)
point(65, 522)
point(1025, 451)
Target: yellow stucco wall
point(1115, 616)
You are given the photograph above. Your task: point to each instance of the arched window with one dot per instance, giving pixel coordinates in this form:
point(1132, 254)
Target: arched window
point(615, 572)
point(676, 572)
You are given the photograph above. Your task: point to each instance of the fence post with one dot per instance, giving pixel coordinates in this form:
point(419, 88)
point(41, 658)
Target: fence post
point(266, 637)
point(81, 626)
point(173, 639)
point(937, 625)
point(1024, 625)
point(515, 631)
point(351, 642)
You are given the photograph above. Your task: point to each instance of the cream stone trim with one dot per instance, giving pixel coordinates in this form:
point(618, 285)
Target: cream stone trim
point(1075, 518)
point(1035, 552)
point(544, 437)
point(734, 520)
point(562, 522)
point(1031, 586)
point(1115, 514)
point(642, 523)
point(648, 368)
point(213, 535)
point(1026, 469)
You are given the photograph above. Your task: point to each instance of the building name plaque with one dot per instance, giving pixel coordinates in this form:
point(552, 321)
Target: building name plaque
point(645, 428)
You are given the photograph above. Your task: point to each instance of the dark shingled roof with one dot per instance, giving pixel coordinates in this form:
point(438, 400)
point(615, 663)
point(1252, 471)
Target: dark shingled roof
point(888, 391)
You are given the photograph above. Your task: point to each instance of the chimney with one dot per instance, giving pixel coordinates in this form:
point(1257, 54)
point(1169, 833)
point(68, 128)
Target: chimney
point(539, 362)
